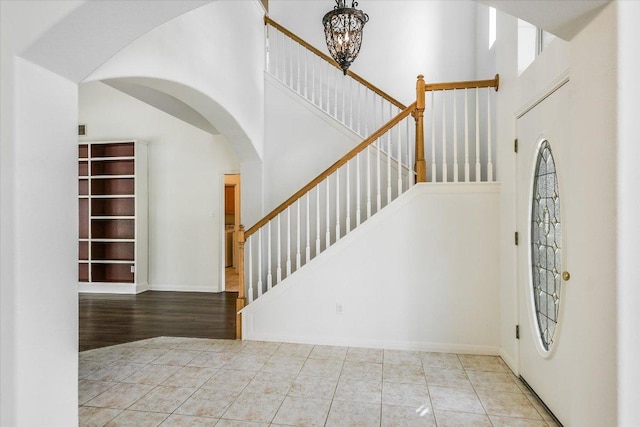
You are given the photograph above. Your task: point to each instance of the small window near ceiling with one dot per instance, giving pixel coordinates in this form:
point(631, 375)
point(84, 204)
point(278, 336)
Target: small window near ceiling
point(492, 26)
point(527, 44)
point(531, 42)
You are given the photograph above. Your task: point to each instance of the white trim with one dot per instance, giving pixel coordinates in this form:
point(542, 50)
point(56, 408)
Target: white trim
point(183, 288)
point(380, 344)
point(112, 288)
point(556, 84)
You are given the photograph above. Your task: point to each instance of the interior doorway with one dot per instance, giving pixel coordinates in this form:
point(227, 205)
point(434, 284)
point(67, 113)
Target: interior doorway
point(231, 227)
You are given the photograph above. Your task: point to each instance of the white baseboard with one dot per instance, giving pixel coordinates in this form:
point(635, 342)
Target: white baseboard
point(183, 288)
point(381, 344)
point(112, 288)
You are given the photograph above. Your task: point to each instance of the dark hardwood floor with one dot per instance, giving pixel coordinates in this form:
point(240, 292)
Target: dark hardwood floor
point(108, 319)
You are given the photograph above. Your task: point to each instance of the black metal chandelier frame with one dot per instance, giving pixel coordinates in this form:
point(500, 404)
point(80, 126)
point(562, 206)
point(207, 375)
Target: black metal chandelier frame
point(343, 32)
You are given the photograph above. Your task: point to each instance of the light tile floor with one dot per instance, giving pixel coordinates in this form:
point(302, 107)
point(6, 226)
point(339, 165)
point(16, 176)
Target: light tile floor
point(169, 381)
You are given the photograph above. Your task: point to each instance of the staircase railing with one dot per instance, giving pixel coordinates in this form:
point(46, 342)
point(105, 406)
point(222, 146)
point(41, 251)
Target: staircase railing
point(458, 129)
point(314, 75)
point(333, 204)
point(386, 164)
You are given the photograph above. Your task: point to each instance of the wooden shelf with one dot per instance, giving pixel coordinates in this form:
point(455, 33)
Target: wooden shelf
point(112, 238)
point(113, 149)
point(111, 273)
point(113, 206)
point(83, 151)
point(113, 229)
point(112, 251)
point(102, 187)
point(112, 167)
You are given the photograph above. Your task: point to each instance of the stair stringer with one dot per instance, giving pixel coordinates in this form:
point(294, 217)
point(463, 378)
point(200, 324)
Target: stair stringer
point(411, 277)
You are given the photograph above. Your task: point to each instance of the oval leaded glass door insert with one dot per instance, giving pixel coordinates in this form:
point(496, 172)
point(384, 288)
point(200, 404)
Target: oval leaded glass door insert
point(546, 244)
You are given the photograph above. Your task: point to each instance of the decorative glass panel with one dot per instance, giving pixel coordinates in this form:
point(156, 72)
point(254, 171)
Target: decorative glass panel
point(546, 245)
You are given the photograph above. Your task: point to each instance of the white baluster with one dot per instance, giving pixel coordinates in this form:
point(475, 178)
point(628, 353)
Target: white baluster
point(269, 276)
point(335, 95)
point(351, 104)
point(378, 189)
point(298, 48)
point(478, 171)
point(260, 262)
point(313, 79)
point(466, 137)
point(276, 61)
point(266, 48)
point(329, 69)
point(288, 265)
point(444, 139)
point(279, 264)
point(328, 229)
point(389, 166)
point(455, 137)
point(358, 213)
point(250, 292)
point(359, 118)
point(298, 256)
point(337, 205)
point(366, 109)
point(433, 137)
point(368, 182)
point(489, 162)
point(291, 64)
point(411, 176)
point(318, 220)
point(399, 160)
point(306, 73)
point(307, 257)
point(348, 199)
point(344, 100)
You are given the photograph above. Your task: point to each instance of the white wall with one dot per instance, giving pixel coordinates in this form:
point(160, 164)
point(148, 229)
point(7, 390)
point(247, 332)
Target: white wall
point(588, 208)
point(428, 262)
point(401, 40)
point(38, 307)
point(38, 151)
point(593, 126)
point(628, 211)
point(216, 53)
point(301, 141)
point(186, 167)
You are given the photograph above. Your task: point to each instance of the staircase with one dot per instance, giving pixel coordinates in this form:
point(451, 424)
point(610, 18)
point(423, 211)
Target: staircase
point(388, 162)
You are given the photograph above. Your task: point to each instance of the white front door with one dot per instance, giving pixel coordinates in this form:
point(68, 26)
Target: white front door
point(545, 356)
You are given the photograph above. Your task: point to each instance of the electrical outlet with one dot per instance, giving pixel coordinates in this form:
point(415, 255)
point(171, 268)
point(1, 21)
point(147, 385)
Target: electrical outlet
point(339, 309)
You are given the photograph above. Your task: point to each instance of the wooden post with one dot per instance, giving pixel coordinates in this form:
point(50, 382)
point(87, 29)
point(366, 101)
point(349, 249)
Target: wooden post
point(418, 115)
point(240, 302)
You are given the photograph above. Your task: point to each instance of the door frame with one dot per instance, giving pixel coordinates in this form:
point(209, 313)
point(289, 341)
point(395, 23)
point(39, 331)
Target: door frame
point(525, 310)
point(229, 178)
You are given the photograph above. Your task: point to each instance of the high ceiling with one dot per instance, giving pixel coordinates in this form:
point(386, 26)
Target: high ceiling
point(564, 18)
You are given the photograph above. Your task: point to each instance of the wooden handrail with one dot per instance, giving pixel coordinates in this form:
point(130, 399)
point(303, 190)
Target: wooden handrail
point(269, 21)
point(351, 154)
point(495, 82)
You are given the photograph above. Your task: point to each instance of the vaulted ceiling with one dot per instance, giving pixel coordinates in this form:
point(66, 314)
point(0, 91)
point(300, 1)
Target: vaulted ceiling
point(564, 18)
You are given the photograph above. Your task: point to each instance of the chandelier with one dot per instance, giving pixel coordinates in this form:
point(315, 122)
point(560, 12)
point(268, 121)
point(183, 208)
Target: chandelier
point(343, 32)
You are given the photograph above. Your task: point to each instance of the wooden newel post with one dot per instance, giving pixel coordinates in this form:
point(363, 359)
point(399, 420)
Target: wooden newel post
point(418, 115)
point(240, 302)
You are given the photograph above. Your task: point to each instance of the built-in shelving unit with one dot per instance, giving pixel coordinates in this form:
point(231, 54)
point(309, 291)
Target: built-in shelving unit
point(112, 197)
